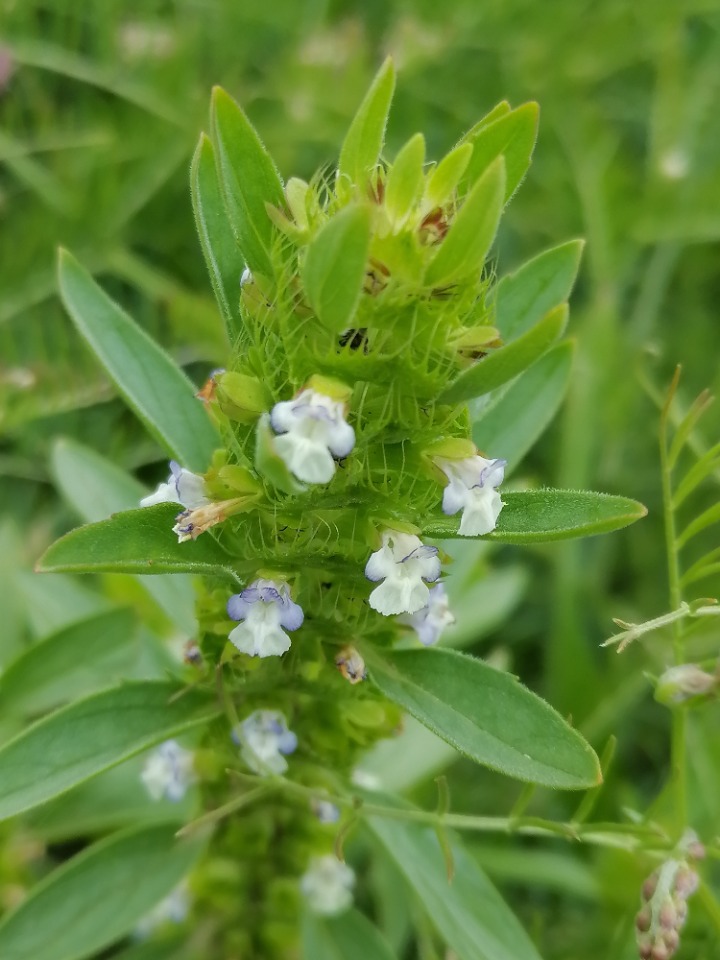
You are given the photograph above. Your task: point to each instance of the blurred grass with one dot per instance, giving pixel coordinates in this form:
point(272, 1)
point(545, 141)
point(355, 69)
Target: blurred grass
point(100, 108)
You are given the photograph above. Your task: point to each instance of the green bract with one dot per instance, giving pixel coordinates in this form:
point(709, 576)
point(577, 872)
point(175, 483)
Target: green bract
point(362, 317)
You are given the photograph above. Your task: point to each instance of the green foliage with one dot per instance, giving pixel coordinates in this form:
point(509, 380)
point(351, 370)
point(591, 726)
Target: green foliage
point(511, 136)
point(156, 390)
point(543, 515)
point(91, 735)
point(468, 912)
point(333, 270)
point(139, 541)
point(364, 140)
point(348, 937)
point(488, 716)
point(238, 148)
point(98, 897)
point(70, 663)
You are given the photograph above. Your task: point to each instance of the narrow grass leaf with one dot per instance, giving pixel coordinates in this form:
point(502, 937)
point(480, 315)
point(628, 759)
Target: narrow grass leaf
point(706, 519)
point(707, 464)
point(158, 392)
point(97, 897)
point(89, 736)
point(487, 715)
point(536, 516)
point(509, 361)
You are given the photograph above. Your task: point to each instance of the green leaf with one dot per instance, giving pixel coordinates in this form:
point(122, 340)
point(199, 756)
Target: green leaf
point(349, 936)
point(98, 896)
point(158, 392)
point(334, 267)
point(537, 516)
point(487, 715)
point(405, 180)
point(511, 136)
point(469, 914)
point(706, 519)
point(224, 262)
point(249, 180)
point(90, 736)
point(413, 756)
point(84, 656)
point(481, 604)
point(95, 488)
point(509, 361)
point(513, 424)
point(364, 140)
point(51, 604)
point(464, 249)
point(544, 282)
point(446, 176)
point(136, 541)
point(113, 800)
point(499, 110)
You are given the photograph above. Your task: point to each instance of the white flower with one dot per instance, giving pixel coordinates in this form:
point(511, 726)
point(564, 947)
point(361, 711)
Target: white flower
point(327, 885)
point(404, 564)
point(168, 771)
point(265, 741)
point(182, 487)
point(313, 431)
point(265, 608)
point(471, 488)
point(430, 621)
point(173, 909)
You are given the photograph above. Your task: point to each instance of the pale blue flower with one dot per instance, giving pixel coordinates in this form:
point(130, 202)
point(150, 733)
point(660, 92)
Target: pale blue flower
point(430, 621)
point(266, 741)
point(266, 611)
point(313, 433)
point(182, 487)
point(472, 489)
point(168, 771)
point(405, 565)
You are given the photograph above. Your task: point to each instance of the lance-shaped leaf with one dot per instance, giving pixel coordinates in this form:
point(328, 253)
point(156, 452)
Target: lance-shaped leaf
point(512, 136)
point(487, 715)
point(85, 655)
point(405, 179)
point(349, 936)
point(249, 180)
point(544, 282)
point(159, 393)
point(464, 249)
point(334, 266)
point(364, 140)
point(506, 363)
point(97, 897)
point(469, 914)
point(522, 413)
point(537, 516)
point(224, 261)
point(89, 736)
point(96, 488)
point(136, 541)
point(446, 176)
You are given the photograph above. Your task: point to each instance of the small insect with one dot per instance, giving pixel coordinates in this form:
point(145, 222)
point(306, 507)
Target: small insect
point(355, 339)
point(207, 392)
point(351, 665)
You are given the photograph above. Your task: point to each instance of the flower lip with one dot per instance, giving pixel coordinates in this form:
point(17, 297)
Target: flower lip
point(265, 612)
point(405, 565)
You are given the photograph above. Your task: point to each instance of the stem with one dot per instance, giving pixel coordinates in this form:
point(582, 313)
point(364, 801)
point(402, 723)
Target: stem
point(621, 836)
point(679, 717)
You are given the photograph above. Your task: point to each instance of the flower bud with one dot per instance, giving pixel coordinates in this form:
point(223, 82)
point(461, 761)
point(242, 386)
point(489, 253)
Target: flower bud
point(241, 397)
point(682, 683)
